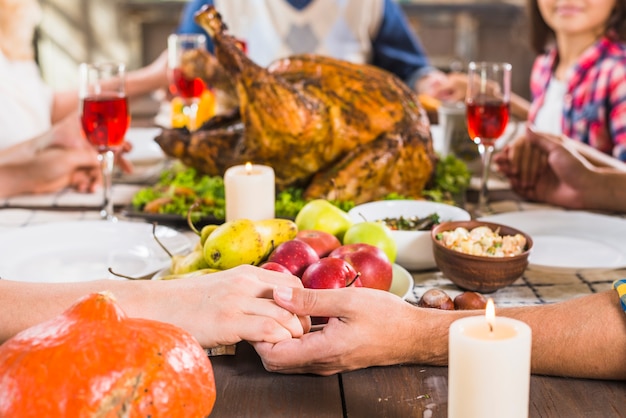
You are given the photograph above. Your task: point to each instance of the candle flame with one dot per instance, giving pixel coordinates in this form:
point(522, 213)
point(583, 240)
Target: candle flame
point(248, 167)
point(490, 314)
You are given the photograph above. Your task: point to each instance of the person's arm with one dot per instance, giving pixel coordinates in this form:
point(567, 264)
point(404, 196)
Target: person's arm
point(220, 309)
point(583, 337)
point(138, 82)
point(397, 49)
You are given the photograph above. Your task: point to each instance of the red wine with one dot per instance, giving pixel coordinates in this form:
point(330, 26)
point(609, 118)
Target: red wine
point(487, 120)
point(184, 87)
point(105, 120)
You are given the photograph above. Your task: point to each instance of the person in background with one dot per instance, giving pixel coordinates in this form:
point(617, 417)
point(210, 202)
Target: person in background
point(361, 31)
point(35, 136)
point(56, 159)
point(578, 81)
point(571, 176)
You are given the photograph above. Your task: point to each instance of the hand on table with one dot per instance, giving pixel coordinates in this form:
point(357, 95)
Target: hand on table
point(227, 307)
point(544, 167)
point(445, 87)
point(360, 332)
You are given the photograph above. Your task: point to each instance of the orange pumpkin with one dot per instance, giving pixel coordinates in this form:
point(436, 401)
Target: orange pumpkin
point(94, 361)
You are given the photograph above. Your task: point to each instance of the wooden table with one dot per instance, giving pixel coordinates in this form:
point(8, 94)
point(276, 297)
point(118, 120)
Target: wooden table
point(245, 389)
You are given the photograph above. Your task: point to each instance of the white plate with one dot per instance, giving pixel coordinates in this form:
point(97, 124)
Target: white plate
point(570, 240)
point(401, 284)
point(145, 149)
point(84, 250)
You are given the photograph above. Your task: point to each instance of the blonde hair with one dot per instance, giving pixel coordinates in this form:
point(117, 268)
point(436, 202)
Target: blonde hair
point(18, 20)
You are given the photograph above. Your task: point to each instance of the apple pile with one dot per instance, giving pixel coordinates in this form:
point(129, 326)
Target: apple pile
point(330, 252)
point(321, 261)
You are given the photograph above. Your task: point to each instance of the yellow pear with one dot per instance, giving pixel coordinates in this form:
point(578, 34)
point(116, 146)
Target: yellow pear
point(187, 263)
point(234, 243)
point(188, 275)
point(275, 232)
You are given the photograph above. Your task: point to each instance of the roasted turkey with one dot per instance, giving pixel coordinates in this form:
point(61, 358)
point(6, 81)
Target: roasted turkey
point(340, 130)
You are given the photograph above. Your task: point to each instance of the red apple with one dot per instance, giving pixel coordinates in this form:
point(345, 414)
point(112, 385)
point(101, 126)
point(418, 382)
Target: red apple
point(370, 261)
point(271, 265)
point(322, 242)
point(329, 273)
point(295, 255)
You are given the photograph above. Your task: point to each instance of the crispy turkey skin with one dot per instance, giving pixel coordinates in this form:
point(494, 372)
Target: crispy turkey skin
point(340, 130)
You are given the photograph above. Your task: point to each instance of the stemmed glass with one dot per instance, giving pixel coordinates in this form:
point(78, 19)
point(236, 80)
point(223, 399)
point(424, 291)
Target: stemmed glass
point(487, 103)
point(183, 81)
point(104, 117)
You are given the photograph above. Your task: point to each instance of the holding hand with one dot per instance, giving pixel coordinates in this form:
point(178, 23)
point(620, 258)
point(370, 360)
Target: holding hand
point(358, 334)
point(546, 168)
point(226, 307)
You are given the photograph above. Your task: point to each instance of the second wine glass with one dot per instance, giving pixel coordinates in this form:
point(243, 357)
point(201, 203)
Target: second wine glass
point(184, 83)
point(487, 102)
point(105, 118)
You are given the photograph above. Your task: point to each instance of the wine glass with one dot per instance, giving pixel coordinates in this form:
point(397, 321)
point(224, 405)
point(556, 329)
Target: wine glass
point(487, 104)
point(104, 117)
point(183, 81)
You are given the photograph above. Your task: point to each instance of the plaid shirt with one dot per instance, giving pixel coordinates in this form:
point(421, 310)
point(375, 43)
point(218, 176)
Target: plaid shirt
point(594, 108)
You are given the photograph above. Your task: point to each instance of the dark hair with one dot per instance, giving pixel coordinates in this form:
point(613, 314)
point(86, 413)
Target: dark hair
point(541, 35)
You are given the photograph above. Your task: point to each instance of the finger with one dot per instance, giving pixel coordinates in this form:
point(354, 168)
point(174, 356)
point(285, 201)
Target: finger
point(326, 302)
point(256, 307)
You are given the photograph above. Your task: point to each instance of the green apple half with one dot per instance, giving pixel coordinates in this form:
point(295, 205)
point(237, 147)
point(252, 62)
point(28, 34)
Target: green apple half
point(374, 233)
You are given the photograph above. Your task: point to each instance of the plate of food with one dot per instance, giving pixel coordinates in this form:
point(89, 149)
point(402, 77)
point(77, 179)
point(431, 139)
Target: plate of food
point(85, 250)
point(570, 240)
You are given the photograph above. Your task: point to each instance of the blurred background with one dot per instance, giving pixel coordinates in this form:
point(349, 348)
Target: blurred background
point(453, 32)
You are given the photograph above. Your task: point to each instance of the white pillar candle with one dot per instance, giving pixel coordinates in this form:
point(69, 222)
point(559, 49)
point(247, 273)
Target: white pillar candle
point(489, 367)
point(249, 192)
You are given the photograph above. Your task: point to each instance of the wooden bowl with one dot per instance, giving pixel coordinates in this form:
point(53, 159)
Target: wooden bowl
point(481, 274)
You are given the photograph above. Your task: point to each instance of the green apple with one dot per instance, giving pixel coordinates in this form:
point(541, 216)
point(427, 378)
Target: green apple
point(321, 215)
point(373, 233)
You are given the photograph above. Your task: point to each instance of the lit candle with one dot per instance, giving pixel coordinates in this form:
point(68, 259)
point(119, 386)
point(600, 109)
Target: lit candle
point(489, 367)
point(250, 192)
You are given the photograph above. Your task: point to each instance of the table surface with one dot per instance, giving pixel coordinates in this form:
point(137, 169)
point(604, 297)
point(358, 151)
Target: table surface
point(246, 389)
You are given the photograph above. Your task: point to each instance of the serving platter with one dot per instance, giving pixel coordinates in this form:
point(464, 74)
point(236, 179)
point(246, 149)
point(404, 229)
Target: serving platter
point(84, 250)
point(570, 241)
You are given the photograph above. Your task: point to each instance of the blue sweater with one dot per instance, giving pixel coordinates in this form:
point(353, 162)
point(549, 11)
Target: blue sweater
point(395, 47)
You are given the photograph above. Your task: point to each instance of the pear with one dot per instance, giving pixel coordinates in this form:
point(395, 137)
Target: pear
point(193, 261)
point(188, 275)
point(206, 231)
point(234, 243)
point(275, 232)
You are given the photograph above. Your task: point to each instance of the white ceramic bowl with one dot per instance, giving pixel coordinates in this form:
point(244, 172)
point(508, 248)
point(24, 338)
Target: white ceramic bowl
point(414, 247)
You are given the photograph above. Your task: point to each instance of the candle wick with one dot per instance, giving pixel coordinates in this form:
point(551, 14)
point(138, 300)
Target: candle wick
point(490, 327)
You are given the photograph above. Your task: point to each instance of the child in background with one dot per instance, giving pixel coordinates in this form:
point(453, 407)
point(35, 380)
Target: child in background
point(578, 83)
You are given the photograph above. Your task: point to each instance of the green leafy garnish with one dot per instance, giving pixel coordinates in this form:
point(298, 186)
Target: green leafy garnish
point(180, 187)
